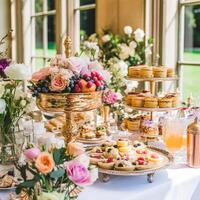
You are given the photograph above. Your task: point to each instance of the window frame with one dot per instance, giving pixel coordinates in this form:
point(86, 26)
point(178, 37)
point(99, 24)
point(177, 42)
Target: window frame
point(181, 63)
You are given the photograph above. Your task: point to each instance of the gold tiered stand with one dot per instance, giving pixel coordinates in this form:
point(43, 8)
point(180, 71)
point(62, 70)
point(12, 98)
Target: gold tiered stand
point(152, 82)
point(69, 103)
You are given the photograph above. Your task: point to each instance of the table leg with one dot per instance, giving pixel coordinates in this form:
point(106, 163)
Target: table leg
point(150, 177)
point(104, 177)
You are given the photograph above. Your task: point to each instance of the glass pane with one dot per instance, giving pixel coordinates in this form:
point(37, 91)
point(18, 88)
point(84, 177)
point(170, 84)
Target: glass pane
point(37, 64)
point(86, 2)
point(87, 22)
point(191, 82)
point(192, 33)
point(51, 4)
point(38, 6)
point(51, 36)
point(39, 36)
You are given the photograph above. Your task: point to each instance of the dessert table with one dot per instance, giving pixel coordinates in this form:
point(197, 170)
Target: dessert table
point(172, 184)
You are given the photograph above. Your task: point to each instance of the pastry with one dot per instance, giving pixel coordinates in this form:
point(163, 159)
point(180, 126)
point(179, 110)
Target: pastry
point(150, 102)
point(138, 101)
point(111, 152)
point(144, 118)
point(160, 72)
point(146, 72)
point(138, 145)
point(100, 131)
point(50, 127)
point(90, 135)
point(175, 99)
point(107, 164)
point(133, 124)
point(134, 71)
point(129, 97)
point(122, 142)
point(57, 123)
point(150, 128)
point(154, 157)
point(170, 72)
point(124, 165)
point(165, 102)
point(97, 150)
point(95, 158)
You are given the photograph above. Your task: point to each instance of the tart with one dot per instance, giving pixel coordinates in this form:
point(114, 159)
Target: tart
point(150, 128)
point(96, 157)
point(146, 72)
point(134, 72)
point(165, 102)
point(154, 158)
point(100, 131)
point(138, 101)
point(133, 124)
point(107, 164)
point(160, 72)
point(111, 152)
point(150, 102)
point(124, 165)
point(170, 72)
point(142, 163)
point(138, 145)
point(96, 150)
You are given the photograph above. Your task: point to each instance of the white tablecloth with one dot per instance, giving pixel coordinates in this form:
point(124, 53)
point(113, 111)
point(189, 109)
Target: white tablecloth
point(170, 184)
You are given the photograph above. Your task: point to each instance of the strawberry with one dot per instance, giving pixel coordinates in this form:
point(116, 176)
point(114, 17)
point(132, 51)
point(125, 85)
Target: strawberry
point(110, 159)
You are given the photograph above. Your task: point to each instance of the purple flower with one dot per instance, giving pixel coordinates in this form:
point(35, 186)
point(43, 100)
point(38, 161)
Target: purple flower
point(4, 63)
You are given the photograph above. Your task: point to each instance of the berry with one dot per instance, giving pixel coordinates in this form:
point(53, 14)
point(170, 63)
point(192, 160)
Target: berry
point(93, 73)
point(100, 78)
point(141, 162)
point(89, 84)
point(141, 158)
point(95, 79)
point(68, 90)
point(77, 88)
point(98, 83)
point(80, 84)
point(109, 160)
point(39, 89)
point(85, 76)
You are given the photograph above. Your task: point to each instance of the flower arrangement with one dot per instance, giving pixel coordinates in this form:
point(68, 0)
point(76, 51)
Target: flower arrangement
point(110, 97)
point(13, 104)
point(118, 52)
point(68, 75)
point(57, 172)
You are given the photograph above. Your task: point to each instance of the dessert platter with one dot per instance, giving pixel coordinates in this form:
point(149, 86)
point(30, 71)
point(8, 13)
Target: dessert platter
point(126, 158)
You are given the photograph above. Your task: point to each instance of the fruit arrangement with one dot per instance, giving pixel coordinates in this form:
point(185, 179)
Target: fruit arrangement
point(66, 76)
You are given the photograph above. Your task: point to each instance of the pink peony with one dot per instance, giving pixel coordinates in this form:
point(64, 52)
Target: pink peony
point(41, 74)
point(78, 173)
point(75, 149)
point(31, 153)
point(110, 97)
point(58, 83)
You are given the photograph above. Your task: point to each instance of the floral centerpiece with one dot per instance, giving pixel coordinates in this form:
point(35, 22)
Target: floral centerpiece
point(56, 174)
point(118, 52)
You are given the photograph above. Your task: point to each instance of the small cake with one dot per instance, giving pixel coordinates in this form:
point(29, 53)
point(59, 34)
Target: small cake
point(144, 118)
point(130, 96)
point(124, 165)
point(107, 164)
point(175, 99)
point(122, 142)
point(138, 101)
point(160, 72)
point(134, 72)
point(165, 102)
point(170, 72)
point(146, 72)
point(111, 152)
point(150, 128)
point(133, 124)
point(150, 102)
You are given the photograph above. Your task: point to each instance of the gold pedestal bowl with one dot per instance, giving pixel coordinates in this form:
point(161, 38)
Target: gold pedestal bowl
point(68, 103)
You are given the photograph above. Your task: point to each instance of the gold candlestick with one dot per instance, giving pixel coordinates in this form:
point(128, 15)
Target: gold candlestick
point(68, 46)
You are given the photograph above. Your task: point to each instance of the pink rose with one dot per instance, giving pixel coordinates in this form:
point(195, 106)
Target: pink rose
point(42, 74)
point(58, 83)
point(31, 153)
point(78, 173)
point(75, 149)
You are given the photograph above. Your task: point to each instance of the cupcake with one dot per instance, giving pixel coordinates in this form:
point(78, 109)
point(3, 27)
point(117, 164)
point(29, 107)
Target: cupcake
point(150, 102)
point(160, 72)
point(146, 72)
point(134, 72)
point(133, 124)
point(124, 165)
point(170, 72)
point(150, 128)
point(138, 101)
point(165, 102)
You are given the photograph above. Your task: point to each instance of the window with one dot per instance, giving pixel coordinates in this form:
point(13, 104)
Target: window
point(189, 50)
point(85, 20)
point(43, 21)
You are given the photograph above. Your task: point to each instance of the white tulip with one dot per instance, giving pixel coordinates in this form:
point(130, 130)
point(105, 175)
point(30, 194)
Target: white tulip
point(139, 35)
point(18, 72)
point(2, 106)
point(128, 30)
point(106, 38)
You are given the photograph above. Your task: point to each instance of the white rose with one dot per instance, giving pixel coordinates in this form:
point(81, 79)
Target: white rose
point(106, 38)
point(23, 102)
point(128, 30)
point(2, 106)
point(139, 35)
point(124, 51)
point(123, 67)
point(133, 45)
point(18, 72)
